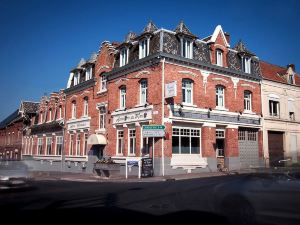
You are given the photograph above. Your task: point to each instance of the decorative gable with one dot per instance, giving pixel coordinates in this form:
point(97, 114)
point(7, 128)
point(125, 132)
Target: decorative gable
point(219, 36)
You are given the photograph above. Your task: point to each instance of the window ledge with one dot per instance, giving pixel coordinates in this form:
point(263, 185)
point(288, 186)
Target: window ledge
point(100, 130)
point(249, 112)
point(101, 92)
point(187, 104)
point(221, 109)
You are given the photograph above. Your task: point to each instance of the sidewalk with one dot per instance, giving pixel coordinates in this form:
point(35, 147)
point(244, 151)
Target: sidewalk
point(84, 177)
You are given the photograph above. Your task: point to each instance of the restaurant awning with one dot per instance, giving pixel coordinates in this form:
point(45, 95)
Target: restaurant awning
point(96, 139)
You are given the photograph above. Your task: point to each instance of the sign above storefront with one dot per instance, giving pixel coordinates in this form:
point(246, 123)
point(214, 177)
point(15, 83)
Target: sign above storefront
point(79, 124)
point(171, 89)
point(135, 116)
point(153, 131)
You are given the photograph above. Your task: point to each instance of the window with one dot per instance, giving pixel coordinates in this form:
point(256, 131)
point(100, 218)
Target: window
point(246, 64)
point(146, 145)
point(274, 108)
point(71, 144)
point(85, 106)
point(88, 73)
point(124, 57)
point(187, 48)
point(220, 136)
point(220, 133)
point(40, 146)
point(186, 141)
point(220, 101)
point(120, 142)
point(247, 101)
point(219, 57)
point(291, 79)
point(60, 112)
point(73, 109)
point(76, 78)
point(132, 141)
point(59, 145)
point(242, 135)
point(49, 145)
point(50, 115)
point(252, 135)
point(103, 83)
point(41, 117)
point(86, 136)
point(123, 97)
point(291, 108)
point(78, 144)
point(144, 91)
point(144, 48)
point(102, 115)
point(187, 91)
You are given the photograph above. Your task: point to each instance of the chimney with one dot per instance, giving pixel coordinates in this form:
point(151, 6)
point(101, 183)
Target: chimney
point(227, 36)
point(292, 66)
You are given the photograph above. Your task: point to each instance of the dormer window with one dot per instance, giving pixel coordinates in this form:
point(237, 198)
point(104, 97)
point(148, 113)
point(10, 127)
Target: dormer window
point(76, 78)
point(144, 48)
point(291, 79)
point(246, 64)
point(219, 57)
point(88, 73)
point(186, 48)
point(124, 57)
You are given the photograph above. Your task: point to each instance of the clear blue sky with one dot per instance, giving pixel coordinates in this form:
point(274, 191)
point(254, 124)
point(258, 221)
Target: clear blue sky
point(40, 41)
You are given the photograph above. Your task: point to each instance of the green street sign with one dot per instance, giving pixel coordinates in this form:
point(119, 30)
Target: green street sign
point(154, 127)
point(153, 131)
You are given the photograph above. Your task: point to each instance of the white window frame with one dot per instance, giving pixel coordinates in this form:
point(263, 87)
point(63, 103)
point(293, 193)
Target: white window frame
point(246, 64)
point(248, 101)
point(59, 141)
point(48, 143)
point(78, 145)
point(88, 73)
point(103, 79)
point(40, 149)
point(85, 146)
point(74, 110)
point(219, 57)
point(120, 151)
point(272, 101)
point(220, 96)
point(220, 134)
point(102, 117)
point(190, 136)
point(76, 78)
point(123, 56)
point(144, 47)
point(291, 109)
point(85, 107)
point(186, 48)
point(291, 79)
point(132, 138)
point(143, 91)
point(123, 98)
point(186, 90)
point(71, 144)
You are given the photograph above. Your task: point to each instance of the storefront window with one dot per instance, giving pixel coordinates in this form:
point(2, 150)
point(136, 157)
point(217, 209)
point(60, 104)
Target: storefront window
point(186, 141)
point(120, 142)
point(132, 140)
point(49, 145)
point(78, 144)
point(59, 142)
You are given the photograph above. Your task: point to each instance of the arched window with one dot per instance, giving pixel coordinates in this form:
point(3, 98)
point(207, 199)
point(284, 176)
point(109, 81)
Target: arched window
point(143, 91)
point(123, 97)
point(219, 57)
point(85, 106)
point(74, 110)
point(220, 96)
point(247, 101)
point(187, 91)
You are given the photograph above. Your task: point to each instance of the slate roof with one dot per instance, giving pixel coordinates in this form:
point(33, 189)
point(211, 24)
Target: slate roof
point(29, 107)
point(15, 115)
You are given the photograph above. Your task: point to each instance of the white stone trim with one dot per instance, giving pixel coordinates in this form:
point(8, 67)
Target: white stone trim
point(217, 30)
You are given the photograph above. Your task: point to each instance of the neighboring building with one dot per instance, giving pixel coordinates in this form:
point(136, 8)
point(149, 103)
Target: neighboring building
point(212, 117)
point(12, 129)
point(281, 112)
point(44, 139)
point(86, 104)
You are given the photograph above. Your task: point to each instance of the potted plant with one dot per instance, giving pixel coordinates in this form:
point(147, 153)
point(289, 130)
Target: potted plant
point(106, 167)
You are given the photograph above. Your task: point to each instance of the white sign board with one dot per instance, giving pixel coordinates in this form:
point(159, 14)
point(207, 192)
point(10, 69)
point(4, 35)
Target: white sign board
point(81, 124)
point(171, 89)
point(133, 116)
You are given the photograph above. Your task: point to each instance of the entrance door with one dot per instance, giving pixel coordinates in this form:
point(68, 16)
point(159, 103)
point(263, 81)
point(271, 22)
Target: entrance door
point(248, 147)
point(294, 148)
point(98, 151)
point(276, 153)
point(220, 148)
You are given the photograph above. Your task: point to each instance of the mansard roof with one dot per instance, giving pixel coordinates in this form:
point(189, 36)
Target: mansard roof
point(150, 28)
point(241, 48)
point(182, 29)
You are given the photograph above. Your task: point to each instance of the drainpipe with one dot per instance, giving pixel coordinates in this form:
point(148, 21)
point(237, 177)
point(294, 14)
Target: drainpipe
point(163, 113)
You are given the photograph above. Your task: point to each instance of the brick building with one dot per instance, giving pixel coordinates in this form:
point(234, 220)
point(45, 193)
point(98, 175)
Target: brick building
point(213, 118)
point(12, 130)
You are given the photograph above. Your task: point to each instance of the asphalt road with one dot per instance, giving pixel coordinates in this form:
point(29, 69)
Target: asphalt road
point(143, 202)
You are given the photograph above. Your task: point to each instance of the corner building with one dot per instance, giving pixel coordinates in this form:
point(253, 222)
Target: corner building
point(204, 92)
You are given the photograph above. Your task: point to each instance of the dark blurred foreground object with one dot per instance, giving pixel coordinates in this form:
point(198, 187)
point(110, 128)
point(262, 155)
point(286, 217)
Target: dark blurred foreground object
point(263, 197)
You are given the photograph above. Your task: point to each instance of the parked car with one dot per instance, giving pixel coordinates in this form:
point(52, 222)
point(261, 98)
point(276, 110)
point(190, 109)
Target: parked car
point(260, 198)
